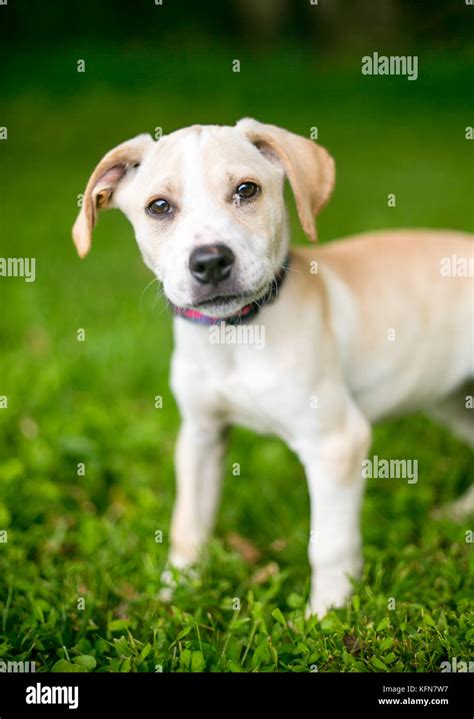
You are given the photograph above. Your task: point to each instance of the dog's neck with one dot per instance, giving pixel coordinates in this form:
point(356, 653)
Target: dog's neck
point(245, 313)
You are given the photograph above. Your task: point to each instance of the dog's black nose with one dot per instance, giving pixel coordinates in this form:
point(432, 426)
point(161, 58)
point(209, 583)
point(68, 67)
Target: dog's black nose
point(210, 264)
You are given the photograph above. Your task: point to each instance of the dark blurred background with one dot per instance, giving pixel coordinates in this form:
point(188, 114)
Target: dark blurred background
point(330, 26)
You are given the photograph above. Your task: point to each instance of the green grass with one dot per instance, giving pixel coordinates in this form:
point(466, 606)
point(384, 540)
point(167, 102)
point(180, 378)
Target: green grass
point(92, 402)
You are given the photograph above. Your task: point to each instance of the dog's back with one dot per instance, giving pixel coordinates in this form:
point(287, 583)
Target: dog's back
point(406, 299)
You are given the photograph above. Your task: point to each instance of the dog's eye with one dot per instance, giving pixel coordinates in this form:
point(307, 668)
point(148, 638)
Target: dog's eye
point(159, 207)
point(246, 190)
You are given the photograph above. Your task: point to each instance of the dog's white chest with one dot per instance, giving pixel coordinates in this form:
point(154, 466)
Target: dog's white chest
point(246, 396)
point(242, 384)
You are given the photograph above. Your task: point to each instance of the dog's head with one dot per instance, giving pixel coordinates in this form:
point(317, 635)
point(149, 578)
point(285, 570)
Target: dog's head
point(207, 206)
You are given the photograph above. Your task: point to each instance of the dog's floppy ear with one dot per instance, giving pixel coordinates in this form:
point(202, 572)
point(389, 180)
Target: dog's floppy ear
point(102, 183)
point(309, 168)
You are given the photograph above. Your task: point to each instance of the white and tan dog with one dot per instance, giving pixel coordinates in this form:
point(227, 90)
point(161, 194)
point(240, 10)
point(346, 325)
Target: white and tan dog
point(357, 330)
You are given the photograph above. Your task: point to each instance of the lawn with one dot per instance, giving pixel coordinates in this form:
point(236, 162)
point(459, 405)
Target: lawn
point(86, 459)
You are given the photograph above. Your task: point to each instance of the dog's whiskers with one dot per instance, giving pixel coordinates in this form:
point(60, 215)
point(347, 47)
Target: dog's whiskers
point(155, 279)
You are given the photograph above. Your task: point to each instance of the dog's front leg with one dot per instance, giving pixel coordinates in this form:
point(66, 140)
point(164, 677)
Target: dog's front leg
point(199, 456)
point(333, 466)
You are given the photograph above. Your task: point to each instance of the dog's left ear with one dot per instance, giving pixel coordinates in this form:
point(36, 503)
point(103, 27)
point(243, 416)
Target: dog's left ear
point(99, 191)
point(309, 167)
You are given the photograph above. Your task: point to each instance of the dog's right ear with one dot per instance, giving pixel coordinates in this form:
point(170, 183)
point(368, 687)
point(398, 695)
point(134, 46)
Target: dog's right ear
point(102, 183)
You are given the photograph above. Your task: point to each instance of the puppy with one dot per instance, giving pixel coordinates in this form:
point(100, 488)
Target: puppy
point(355, 331)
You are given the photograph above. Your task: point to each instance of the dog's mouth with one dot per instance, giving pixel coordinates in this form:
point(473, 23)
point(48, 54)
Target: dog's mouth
point(224, 304)
point(218, 300)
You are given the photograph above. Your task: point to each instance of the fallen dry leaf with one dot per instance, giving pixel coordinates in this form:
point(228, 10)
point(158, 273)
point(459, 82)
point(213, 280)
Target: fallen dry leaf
point(244, 547)
point(278, 545)
point(263, 574)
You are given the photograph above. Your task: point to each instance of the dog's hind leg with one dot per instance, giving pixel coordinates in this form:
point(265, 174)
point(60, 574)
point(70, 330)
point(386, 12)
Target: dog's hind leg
point(460, 509)
point(456, 412)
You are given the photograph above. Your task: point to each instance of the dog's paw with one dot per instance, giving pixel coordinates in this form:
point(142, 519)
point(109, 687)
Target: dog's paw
point(169, 585)
point(330, 593)
point(178, 571)
point(165, 595)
